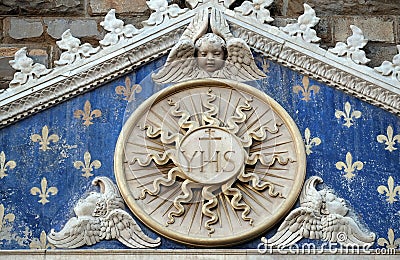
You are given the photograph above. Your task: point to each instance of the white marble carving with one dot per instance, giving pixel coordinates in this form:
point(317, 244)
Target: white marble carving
point(256, 10)
point(163, 12)
point(74, 50)
point(303, 28)
point(39, 94)
point(101, 216)
point(388, 68)
point(201, 55)
point(323, 216)
point(117, 30)
point(353, 47)
point(26, 68)
point(194, 3)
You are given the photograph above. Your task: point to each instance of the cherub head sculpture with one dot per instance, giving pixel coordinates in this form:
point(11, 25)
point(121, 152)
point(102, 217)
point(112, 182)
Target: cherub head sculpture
point(321, 215)
point(211, 52)
point(199, 54)
point(331, 204)
point(101, 216)
point(86, 207)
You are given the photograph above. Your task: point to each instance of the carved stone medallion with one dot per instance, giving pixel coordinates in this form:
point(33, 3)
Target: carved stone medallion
point(210, 162)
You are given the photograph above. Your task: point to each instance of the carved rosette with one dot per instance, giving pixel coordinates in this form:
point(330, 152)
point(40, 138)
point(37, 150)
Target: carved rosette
point(210, 162)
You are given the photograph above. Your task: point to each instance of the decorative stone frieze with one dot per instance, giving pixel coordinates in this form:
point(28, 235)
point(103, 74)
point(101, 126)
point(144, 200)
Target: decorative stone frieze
point(121, 51)
point(391, 68)
point(303, 28)
point(74, 50)
point(26, 68)
point(117, 30)
point(352, 49)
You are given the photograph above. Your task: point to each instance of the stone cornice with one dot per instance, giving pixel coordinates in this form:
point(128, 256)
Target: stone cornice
point(110, 62)
point(357, 80)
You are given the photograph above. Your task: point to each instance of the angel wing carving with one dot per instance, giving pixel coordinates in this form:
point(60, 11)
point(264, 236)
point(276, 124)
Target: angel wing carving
point(321, 215)
point(202, 55)
point(101, 216)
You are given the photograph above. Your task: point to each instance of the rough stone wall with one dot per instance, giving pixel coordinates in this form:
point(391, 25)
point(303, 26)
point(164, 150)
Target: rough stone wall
point(38, 24)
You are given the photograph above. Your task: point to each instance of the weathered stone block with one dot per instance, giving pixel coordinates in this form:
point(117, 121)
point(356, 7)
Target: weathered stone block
point(379, 29)
point(283, 21)
point(378, 54)
point(324, 30)
point(79, 28)
point(35, 7)
point(20, 28)
point(98, 7)
point(343, 7)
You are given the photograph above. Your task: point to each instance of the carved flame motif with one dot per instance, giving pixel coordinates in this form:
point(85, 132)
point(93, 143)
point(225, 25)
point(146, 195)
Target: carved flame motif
point(349, 167)
point(347, 116)
point(391, 191)
point(389, 139)
point(128, 91)
point(44, 192)
point(87, 166)
point(310, 142)
point(87, 114)
point(44, 139)
point(3, 165)
point(306, 89)
point(256, 10)
point(213, 154)
point(212, 130)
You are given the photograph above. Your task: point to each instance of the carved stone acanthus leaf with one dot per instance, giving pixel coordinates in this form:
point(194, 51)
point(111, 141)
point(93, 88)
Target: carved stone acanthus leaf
point(26, 69)
point(256, 10)
point(163, 12)
point(117, 30)
point(101, 216)
point(217, 54)
point(75, 51)
point(322, 216)
point(388, 68)
point(303, 28)
point(353, 47)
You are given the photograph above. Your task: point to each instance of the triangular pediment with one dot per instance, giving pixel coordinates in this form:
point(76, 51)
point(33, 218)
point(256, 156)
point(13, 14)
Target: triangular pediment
point(36, 88)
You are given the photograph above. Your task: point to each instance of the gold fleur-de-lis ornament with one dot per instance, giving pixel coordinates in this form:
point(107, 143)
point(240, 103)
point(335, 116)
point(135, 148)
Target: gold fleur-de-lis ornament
point(44, 139)
point(41, 243)
point(310, 142)
point(87, 114)
point(306, 89)
point(390, 242)
point(87, 166)
point(391, 191)
point(44, 192)
point(3, 165)
point(349, 167)
point(347, 116)
point(264, 64)
point(10, 217)
point(128, 91)
point(389, 140)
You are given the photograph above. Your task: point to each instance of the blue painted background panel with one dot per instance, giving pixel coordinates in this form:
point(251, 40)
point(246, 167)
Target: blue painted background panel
point(75, 138)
